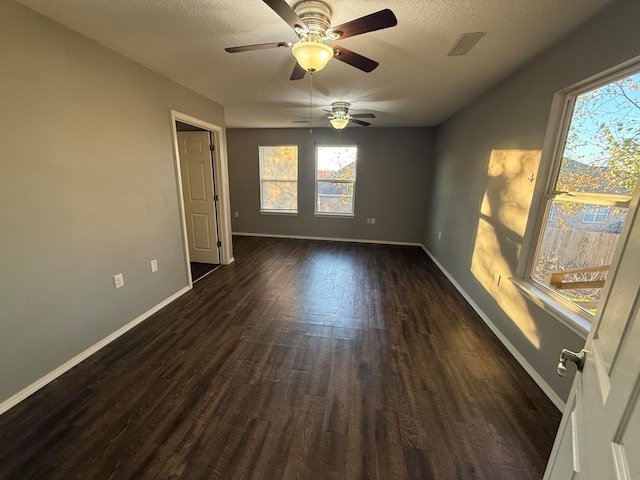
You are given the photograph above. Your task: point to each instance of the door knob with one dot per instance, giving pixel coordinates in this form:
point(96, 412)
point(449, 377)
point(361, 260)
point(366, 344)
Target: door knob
point(577, 358)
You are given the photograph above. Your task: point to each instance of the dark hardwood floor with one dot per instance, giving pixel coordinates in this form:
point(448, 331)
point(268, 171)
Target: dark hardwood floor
point(301, 360)
point(200, 270)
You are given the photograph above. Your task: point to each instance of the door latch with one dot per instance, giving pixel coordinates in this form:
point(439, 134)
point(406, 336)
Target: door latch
point(577, 358)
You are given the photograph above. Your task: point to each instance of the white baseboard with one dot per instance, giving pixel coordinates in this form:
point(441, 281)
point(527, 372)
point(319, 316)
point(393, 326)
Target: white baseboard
point(37, 385)
point(544, 386)
point(328, 239)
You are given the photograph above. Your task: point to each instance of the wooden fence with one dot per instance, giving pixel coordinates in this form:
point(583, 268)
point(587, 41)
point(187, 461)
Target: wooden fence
point(579, 248)
point(334, 203)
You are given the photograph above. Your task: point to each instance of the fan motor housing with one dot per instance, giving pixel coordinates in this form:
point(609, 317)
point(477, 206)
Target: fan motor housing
point(315, 15)
point(340, 107)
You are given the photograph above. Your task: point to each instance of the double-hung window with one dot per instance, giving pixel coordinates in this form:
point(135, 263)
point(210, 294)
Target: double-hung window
point(279, 179)
point(335, 180)
point(588, 198)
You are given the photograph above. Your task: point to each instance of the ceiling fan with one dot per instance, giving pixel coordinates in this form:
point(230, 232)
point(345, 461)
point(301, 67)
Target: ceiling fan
point(340, 116)
point(311, 21)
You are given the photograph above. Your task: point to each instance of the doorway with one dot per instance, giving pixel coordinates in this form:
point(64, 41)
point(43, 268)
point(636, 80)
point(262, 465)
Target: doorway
point(196, 147)
point(203, 195)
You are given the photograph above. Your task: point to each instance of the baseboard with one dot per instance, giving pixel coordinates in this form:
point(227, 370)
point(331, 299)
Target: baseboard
point(34, 387)
point(328, 239)
point(544, 386)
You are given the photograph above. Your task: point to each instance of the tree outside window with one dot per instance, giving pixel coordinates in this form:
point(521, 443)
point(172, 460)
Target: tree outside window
point(279, 179)
point(335, 179)
point(589, 200)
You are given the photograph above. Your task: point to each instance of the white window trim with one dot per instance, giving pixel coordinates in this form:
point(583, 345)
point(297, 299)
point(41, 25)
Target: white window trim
point(334, 215)
point(316, 213)
point(556, 133)
point(278, 211)
point(561, 309)
point(286, 213)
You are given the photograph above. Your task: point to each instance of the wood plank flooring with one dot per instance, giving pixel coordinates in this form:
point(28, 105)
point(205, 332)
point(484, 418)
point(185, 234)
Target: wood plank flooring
point(301, 360)
point(200, 270)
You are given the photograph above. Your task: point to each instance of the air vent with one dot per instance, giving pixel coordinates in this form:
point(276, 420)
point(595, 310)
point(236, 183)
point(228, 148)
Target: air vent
point(465, 43)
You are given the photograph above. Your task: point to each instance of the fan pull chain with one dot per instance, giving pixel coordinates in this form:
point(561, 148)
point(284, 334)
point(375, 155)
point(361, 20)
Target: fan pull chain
point(310, 94)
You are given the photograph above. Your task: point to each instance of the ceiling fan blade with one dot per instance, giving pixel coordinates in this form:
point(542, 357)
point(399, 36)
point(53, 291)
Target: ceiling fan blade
point(298, 72)
point(369, 23)
point(259, 46)
point(286, 13)
point(363, 115)
point(360, 122)
point(354, 59)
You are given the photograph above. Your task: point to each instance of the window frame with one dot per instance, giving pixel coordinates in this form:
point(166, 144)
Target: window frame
point(317, 213)
point(261, 180)
point(563, 104)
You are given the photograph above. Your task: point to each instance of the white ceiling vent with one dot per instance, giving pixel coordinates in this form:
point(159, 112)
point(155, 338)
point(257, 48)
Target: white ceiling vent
point(465, 43)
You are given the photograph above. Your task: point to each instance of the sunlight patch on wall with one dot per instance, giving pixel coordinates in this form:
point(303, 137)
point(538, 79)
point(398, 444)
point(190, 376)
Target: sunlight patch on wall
point(501, 226)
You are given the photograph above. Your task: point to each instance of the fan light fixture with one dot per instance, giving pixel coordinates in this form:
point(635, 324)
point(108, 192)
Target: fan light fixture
point(311, 54)
point(339, 123)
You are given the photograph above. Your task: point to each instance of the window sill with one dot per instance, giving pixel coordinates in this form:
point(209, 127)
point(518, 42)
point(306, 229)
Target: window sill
point(334, 215)
point(563, 311)
point(277, 212)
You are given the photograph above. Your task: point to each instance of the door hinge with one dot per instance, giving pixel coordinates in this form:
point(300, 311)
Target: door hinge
point(212, 147)
point(215, 198)
point(219, 243)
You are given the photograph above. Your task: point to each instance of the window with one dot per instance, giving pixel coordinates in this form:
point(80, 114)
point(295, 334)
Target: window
point(595, 214)
point(335, 180)
point(589, 195)
point(552, 211)
point(279, 179)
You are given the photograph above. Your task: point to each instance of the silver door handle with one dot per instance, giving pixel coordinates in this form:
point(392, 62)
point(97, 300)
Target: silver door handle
point(577, 358)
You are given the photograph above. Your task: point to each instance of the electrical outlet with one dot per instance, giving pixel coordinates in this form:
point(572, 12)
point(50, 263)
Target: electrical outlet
point(368, 220)
point(118, 280)
point(373, 220)
point(236, 214)
point(154, 265)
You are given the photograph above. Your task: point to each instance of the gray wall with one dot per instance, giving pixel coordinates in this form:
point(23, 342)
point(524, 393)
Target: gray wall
point(393, 164)
point(513, 117)
point(87, 190)
point(87, 187)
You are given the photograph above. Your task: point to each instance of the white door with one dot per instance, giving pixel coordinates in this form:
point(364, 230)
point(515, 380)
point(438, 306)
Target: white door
point(196, 166)
point(599, 436)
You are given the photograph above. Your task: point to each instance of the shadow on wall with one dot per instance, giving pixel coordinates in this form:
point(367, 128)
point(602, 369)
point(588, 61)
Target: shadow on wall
point(501, 226)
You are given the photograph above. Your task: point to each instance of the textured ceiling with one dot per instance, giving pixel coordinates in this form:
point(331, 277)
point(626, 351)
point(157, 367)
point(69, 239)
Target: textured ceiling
point(416, 84)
